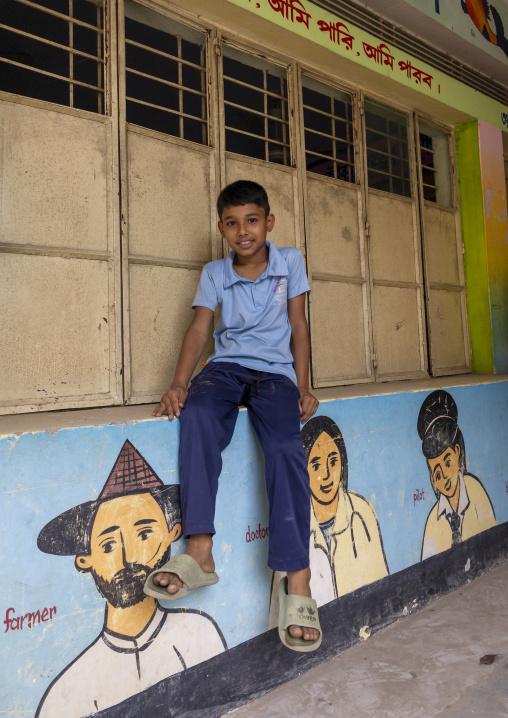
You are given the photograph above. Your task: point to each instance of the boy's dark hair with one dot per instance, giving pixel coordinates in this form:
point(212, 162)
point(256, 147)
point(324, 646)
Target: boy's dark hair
point(243, 192)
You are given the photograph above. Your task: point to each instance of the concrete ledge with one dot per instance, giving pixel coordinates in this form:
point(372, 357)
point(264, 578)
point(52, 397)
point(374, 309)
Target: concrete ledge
point(53, 421)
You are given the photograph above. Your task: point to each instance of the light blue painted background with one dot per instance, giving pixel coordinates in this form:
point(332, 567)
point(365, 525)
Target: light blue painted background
point(44, 475)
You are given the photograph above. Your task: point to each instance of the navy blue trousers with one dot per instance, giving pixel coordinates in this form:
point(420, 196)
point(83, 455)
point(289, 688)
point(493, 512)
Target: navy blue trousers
point(207, 423)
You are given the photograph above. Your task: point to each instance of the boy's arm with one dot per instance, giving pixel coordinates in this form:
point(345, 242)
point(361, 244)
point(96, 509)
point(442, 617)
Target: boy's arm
point(193, 344)
point(300, 346)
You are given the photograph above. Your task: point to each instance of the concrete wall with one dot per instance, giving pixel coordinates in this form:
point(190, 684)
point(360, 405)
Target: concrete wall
point(73, 500)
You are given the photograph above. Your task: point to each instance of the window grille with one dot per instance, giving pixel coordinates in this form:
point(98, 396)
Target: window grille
point(435, 165)
point(165, 75)
point(53, 50)
point(387, 149)
point(328, 128)
point(256, 108)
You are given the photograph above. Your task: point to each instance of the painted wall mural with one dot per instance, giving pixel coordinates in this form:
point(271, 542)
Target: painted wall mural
point(119, 539)
point(484, 14)
point(477, 21)
point(90, 511)
point(463, 508)
point(346, 548)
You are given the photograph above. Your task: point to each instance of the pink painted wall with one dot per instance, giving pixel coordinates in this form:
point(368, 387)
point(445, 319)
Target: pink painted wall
point(496, 237)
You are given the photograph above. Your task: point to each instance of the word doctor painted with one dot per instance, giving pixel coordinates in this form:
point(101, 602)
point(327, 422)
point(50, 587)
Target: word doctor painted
point(259, 533)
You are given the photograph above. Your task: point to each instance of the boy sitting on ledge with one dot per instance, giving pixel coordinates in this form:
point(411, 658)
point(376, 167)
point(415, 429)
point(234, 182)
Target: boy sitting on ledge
point(261, 360)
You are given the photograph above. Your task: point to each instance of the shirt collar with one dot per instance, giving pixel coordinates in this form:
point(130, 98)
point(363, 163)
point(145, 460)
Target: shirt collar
point(277, 267)
point(128, 643)
point(342, 518)
point(444, 506)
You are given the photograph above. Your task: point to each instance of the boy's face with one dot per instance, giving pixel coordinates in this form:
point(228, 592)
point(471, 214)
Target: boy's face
point(244, 227)
point(444, 471)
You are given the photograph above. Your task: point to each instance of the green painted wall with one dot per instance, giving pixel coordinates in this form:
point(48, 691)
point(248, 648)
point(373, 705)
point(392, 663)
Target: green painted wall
point(496, 237)
point(473, 234)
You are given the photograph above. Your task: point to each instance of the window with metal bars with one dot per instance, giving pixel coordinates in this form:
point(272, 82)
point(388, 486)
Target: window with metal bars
point(165, 65)
point(435, 165)
point(328, 128)
point(386, 133)
point(255, 107)
point(53, 50)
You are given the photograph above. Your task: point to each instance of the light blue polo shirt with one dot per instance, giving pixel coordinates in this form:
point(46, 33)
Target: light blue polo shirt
point(253, 329)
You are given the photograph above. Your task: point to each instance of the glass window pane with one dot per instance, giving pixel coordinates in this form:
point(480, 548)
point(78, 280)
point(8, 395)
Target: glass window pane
point(193, 105)
point(328, 123)
point(35, 21)
point(194, 130)
point(317, 121)
point(85, 70)
point(386, 133)
point(236, 118)
point(153, 118)
point(314, 98)
point(318, 143)
point(173, 55)
point(435, 162)
point(39, 55)
point(245, 96)
point(245, 145)
point(87, 99)
point(30, 84)
point(156, 93)
point(278, 154)
point(258, 106)
point(83, 10)
point(84, 39)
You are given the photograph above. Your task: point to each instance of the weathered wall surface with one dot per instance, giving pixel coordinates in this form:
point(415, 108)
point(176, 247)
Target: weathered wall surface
point(88, 511)
point(496, 237)
point(485, 235)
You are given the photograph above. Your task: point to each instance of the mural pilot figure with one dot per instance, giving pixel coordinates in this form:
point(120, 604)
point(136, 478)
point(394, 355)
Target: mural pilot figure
point(463, 508)
point(119, 539)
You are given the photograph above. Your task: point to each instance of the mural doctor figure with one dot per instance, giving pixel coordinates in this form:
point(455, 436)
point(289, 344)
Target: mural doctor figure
point(119, 539)
point(346, 548)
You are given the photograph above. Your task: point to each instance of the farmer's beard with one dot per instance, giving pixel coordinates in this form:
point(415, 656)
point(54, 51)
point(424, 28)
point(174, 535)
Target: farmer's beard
point(125, 589)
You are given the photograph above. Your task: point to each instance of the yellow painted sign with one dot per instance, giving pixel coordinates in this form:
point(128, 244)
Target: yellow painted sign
point(351, 42)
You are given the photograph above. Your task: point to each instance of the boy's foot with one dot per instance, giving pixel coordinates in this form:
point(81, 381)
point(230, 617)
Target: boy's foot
point(299, 585)
point(200, 549)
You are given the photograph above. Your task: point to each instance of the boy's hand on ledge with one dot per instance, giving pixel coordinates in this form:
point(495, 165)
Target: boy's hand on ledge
point(171, 403)
point(308, 405)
